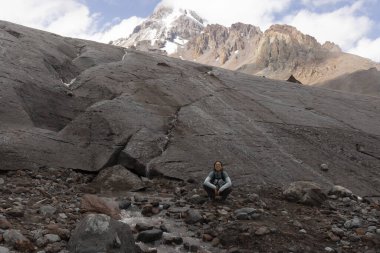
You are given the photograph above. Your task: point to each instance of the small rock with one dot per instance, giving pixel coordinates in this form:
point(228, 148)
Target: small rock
point(52, 238)
point(124, 204)
point(304, 192)
point(143, 227)
point(193, 216)
point(17, 240)
point(353, 223)
point(2, 181)
point(15, 212)
point(147, 210)
point(284, 212)
point(337, 231)
point(378, 231)
point(333, 237)
point(303, 231)
point(324, 167)
point(262, 231)
point(142, 248)
point(371, 229)
point(191, 247)
point(328, 249)
point(340, 191)
point(62, 216)
point(47, 210)
point(197, 199)
point(93, 203)
point(215, 242)
point(4, 223)
point(172, 240)
point(150, 235)
point(207, 237)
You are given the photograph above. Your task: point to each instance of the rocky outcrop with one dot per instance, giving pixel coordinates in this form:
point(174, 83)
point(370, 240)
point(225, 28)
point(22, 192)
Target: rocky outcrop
point(276, 53)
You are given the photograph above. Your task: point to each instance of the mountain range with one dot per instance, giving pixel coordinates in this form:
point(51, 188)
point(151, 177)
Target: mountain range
point(278, 52)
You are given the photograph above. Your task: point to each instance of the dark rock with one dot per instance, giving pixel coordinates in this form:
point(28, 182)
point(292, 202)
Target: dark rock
point(124, 204)
point(292, 79)
point(4, 223)
point(149, 235)
point(147, 210)
point(191, 247)
point(193, 216)
point(304, 192)
point(101, 233)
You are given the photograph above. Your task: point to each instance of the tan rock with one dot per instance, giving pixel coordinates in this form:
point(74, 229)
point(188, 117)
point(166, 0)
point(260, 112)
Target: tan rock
point(95, 204)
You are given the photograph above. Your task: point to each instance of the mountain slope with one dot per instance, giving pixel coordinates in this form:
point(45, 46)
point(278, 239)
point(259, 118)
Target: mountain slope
point(362, 81)
point(277, 53)
point(157, 115)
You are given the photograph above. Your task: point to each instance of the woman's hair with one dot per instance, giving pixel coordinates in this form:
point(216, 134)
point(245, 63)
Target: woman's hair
point(221, 164)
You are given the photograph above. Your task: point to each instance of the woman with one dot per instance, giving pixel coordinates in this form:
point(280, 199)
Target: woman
point(217, 183)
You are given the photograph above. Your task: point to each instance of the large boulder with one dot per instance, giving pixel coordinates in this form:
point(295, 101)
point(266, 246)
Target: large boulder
point(305, 192)
point(18, 240)
point(95, 204)
point(116, 179)
point(101, 233)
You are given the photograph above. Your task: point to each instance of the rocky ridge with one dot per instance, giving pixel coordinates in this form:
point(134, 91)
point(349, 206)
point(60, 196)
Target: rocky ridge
point(277, 53)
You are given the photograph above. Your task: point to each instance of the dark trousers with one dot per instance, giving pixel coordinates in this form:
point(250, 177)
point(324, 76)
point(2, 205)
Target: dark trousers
point(211, 192)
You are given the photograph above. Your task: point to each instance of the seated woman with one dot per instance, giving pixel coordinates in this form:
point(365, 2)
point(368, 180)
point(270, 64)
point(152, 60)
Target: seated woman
point(217, 183)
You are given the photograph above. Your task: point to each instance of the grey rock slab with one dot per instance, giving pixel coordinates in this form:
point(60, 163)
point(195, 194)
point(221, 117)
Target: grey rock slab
point(47, 210)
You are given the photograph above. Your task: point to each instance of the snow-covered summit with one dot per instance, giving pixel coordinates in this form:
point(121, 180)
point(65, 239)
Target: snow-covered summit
point(166, 30)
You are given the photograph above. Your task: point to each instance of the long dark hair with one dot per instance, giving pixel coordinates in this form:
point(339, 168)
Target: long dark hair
point(221, 164)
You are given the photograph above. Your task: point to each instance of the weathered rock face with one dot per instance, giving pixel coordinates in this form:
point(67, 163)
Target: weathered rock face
point(304, 192)
point(156, 115)
point(100, 233)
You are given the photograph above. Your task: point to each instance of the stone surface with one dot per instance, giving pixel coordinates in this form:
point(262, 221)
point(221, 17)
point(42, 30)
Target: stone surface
point(93, 203)
point(101, 233)
point(149, 235)
point(4, 250)
point(193, 216)
point(308, 193)
point(17, 240)
point(47, 210)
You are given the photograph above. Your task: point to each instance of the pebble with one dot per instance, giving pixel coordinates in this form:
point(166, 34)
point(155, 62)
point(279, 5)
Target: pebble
point(328, 249)
point(371, 229)
point(2, 181)
point(324, 167)
point(353, 223)
point(52, 238)
point(303, 231)
point(62, 216)
point(378, 231)
point(262, 231)
point(47, 210)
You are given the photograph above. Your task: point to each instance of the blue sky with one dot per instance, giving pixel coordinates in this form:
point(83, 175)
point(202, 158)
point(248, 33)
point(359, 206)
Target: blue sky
point(352, 24)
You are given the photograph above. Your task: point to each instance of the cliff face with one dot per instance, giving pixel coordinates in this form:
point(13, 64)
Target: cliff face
point(279, 52)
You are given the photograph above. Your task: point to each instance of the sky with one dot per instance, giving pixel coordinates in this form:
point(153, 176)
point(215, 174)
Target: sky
point(352, 24)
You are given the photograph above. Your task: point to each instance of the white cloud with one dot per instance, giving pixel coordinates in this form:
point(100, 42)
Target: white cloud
point(321, 2)
point(65, 17)
point(367, 48)
point(120, 30)
point(227, 12)
point(342, 26)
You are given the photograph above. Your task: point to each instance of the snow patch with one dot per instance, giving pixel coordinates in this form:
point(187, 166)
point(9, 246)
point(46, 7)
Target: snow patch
point(170, 47)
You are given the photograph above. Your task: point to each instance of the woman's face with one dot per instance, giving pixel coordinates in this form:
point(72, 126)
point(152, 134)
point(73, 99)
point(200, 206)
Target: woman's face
point(218, 166)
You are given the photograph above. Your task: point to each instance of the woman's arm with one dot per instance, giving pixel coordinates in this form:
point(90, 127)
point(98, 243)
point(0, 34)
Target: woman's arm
point(208, 183)
point(226, 185)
